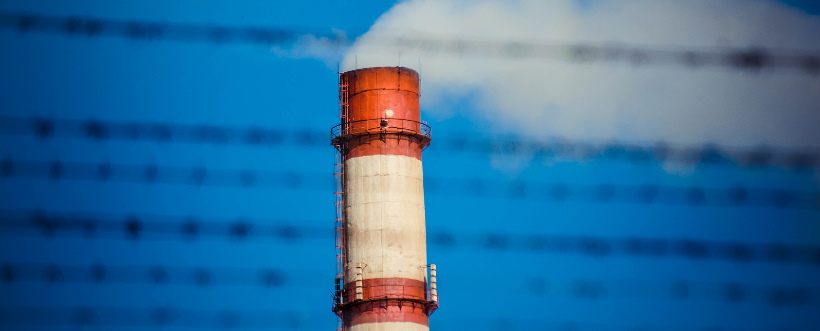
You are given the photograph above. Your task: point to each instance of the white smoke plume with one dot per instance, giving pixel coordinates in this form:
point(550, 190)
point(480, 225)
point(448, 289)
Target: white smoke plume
point(606, 100)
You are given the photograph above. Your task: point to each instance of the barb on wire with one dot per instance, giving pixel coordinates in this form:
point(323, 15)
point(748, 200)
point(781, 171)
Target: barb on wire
point(604, 193)
point(131, 227)
point(100, 130)
point(753, 58)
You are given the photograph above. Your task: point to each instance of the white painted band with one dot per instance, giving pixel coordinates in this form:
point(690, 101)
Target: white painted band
point(390, 326)
point(385, 217)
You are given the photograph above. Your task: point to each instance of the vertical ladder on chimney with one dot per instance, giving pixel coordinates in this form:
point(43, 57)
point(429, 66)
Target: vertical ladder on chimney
point(340, 220)
point(343, 95)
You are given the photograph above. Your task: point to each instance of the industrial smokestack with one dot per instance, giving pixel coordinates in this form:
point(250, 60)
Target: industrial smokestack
point(383, 281)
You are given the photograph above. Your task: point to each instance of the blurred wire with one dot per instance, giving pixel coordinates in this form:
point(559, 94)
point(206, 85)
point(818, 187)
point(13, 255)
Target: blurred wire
point(157, 317)
point(101, 274)
point(37, 223)
point(694, 196)
point(133, 227)
point(99, 130)
point(584, 324)
point(157, 274)
point(162, 317)
point(675, 290)
point(753, 58)
point(146, 31)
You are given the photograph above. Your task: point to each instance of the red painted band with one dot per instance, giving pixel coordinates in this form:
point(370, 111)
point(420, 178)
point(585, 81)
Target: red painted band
point(387, 300)
point(386, 311)
point(385, 144)
point(388, 288)
point(381, 113)
point(370, 92)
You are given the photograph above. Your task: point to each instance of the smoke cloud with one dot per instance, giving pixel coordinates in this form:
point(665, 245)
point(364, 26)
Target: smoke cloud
point(609, 100)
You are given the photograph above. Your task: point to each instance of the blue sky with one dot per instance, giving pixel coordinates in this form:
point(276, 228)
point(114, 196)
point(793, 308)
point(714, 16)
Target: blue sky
point(522, 241)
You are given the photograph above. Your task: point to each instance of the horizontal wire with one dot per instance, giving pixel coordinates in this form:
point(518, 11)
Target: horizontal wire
point(603, 193)
point(136, 227)
point(158, 317)
point(186, 229)
point(752, 58)
point(161, 317)
point(678, 290)
point(258, 136)
point(157, 274)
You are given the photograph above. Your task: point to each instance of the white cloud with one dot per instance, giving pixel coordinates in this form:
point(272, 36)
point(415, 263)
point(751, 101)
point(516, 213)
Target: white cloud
point(548, 97)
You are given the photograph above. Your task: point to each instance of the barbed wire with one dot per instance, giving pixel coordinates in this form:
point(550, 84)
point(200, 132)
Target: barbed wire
point(100, 273)
point(137, 227)
point(202, 277)
point(604, 193)
point(507, 323)
point(100, 130)
point(161, 317)
point(752, 58)
point(148, 31)
point(18, 223)
point(675, 290)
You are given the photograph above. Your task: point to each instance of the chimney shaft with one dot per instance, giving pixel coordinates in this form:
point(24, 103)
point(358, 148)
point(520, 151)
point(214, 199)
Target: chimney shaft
point(381, 228)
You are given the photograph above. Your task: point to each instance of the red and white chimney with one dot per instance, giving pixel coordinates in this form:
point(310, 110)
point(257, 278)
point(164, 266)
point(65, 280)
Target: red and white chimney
point(384, 281)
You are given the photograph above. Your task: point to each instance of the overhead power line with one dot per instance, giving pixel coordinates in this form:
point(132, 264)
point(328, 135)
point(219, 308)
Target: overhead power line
point(751, 58)
point(261, 136)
